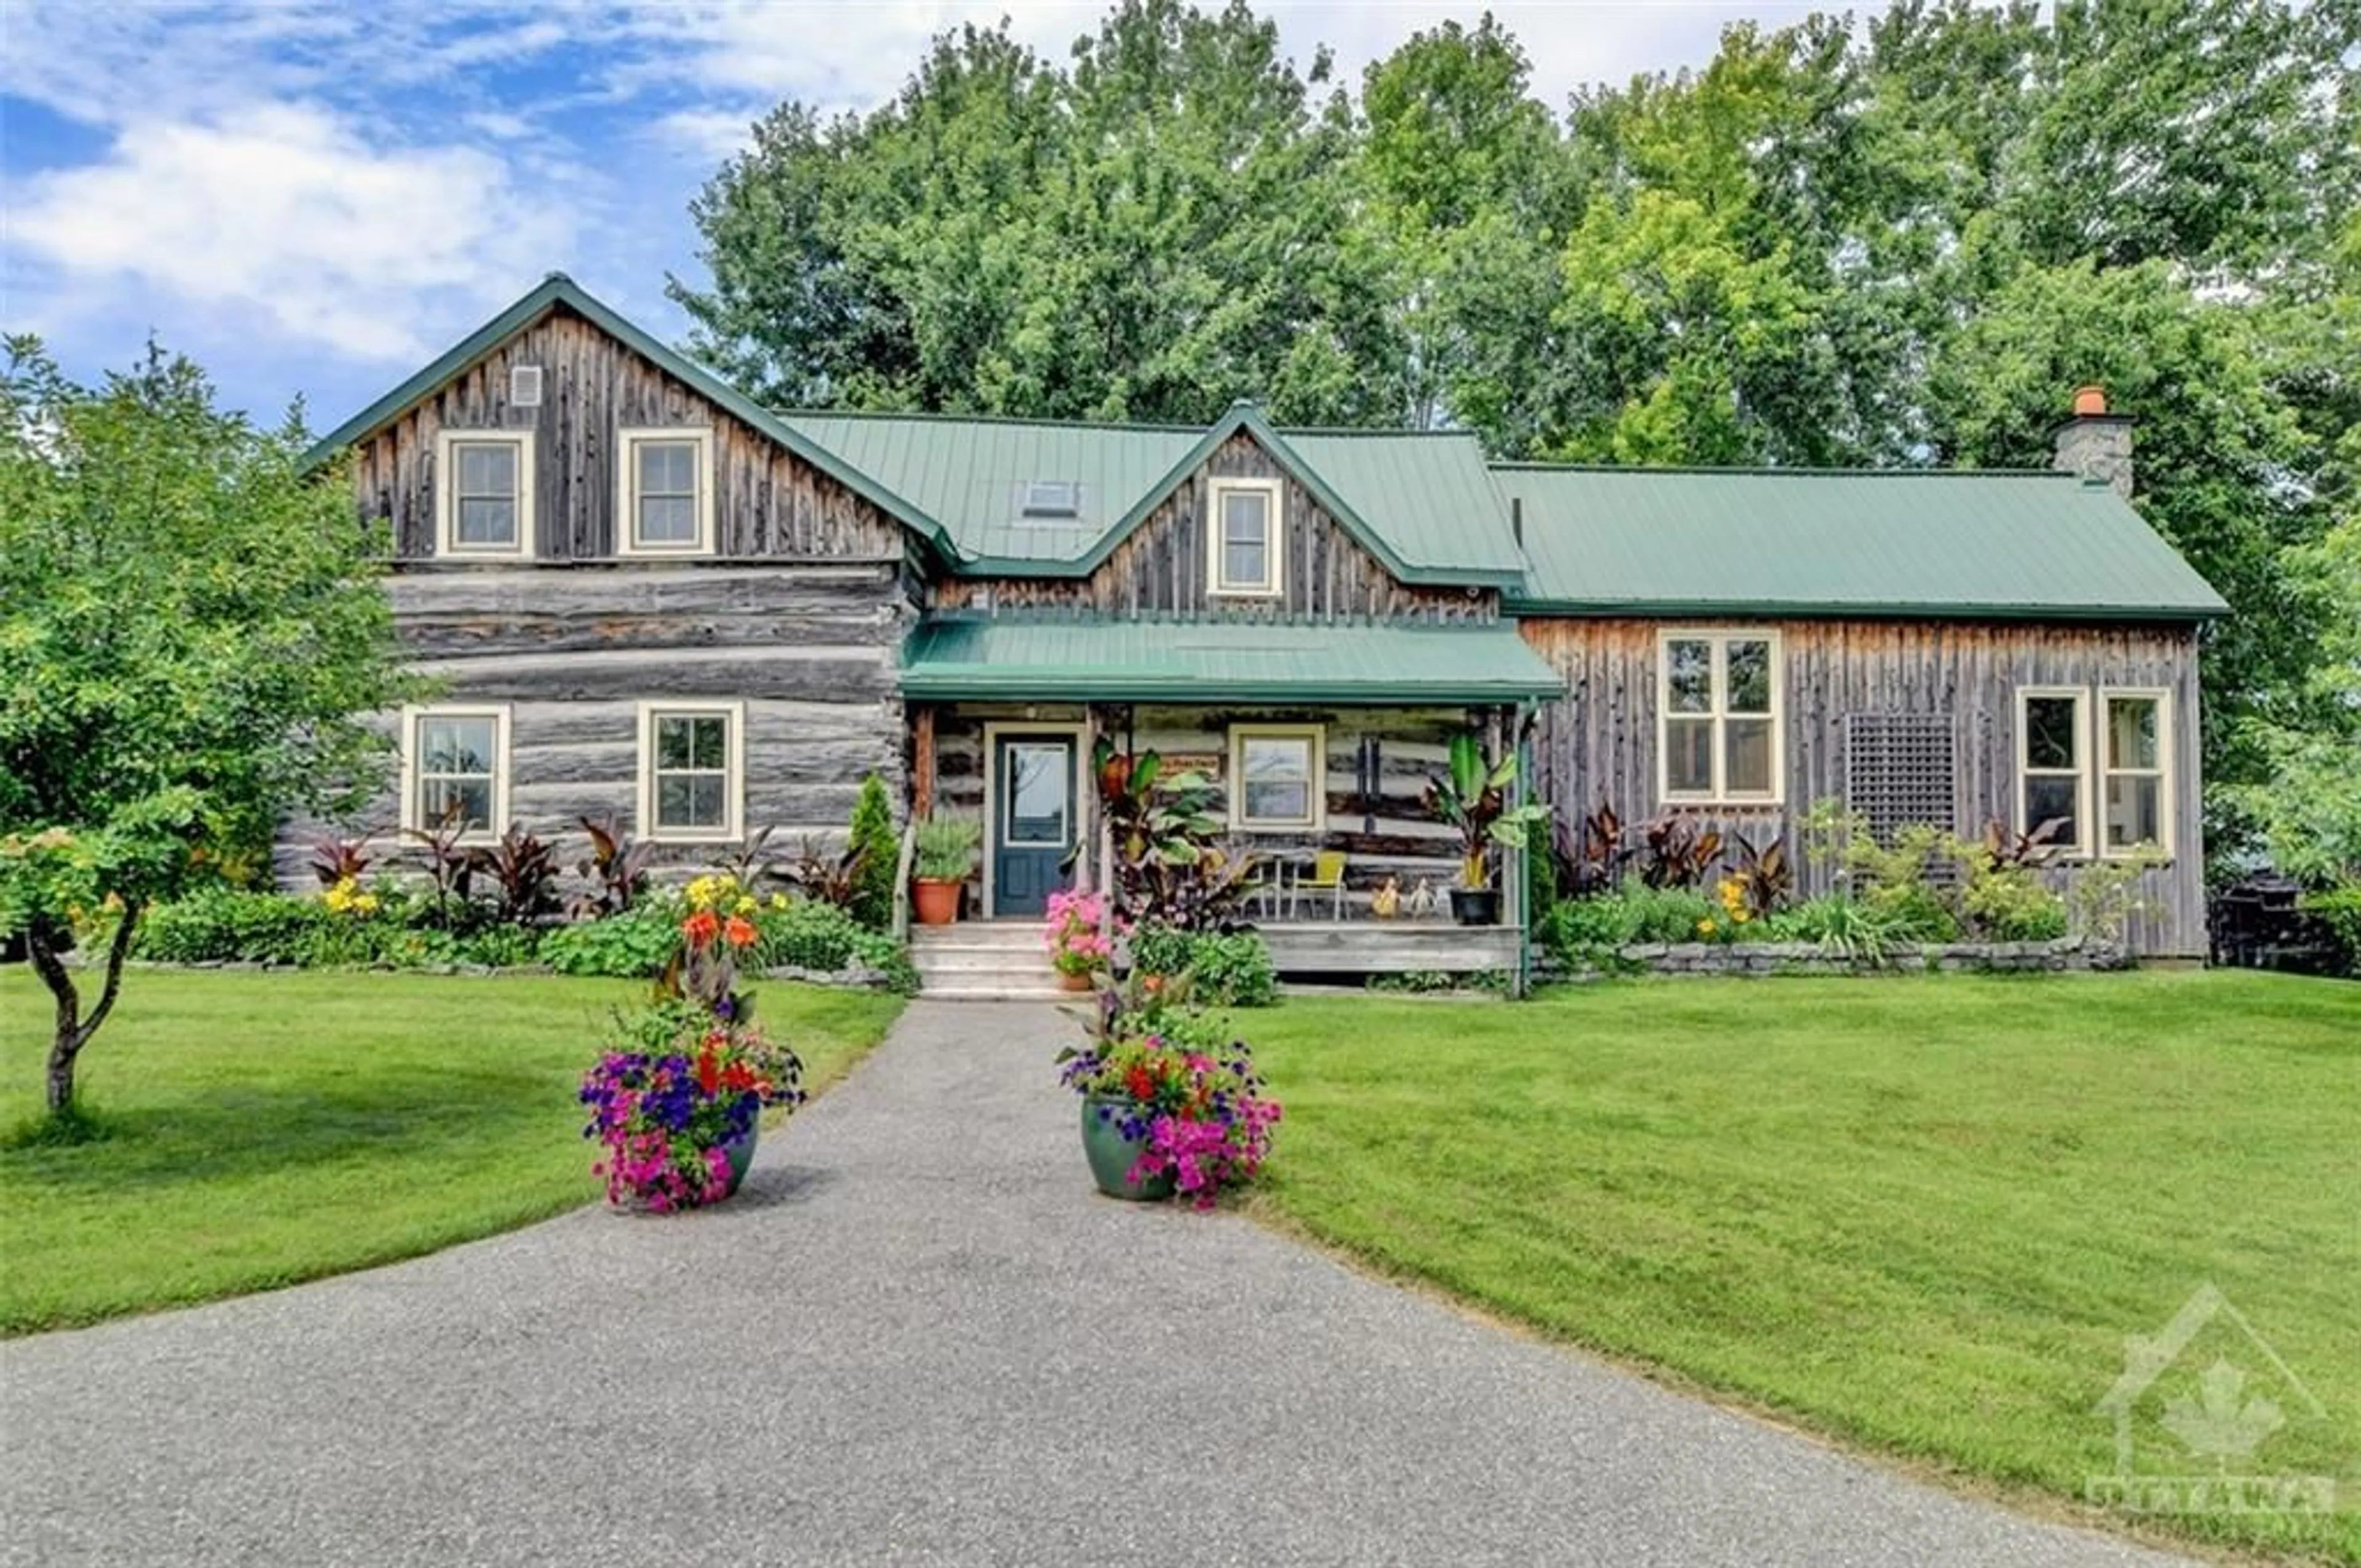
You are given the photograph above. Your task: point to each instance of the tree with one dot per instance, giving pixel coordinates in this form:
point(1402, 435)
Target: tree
point(188, 626)
point(877, 855)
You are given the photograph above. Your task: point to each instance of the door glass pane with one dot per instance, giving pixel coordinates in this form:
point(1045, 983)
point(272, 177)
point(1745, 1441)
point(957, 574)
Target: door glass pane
point(2053, 796)
point(1747, 754)
point(2049, 737)
point(2134, 811)
point(1036, 783)
point(1749, 677)
point(1688, 756)
point(2132, 732)
point(1690, 674)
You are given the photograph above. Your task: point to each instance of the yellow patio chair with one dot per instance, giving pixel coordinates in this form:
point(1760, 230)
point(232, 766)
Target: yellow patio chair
point(1327, 876)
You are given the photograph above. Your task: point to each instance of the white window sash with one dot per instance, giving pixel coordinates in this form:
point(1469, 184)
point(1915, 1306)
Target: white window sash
point(2103, 762)
point(628, 493)
point(732, 774)
point(1717, 716)
point(1218, 581)
point(1314, 739)
point(416, 776)
point(447, 494)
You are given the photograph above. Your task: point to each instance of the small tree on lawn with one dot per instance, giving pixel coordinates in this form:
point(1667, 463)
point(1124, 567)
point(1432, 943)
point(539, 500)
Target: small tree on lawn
point(880, 853)
point(188, 628)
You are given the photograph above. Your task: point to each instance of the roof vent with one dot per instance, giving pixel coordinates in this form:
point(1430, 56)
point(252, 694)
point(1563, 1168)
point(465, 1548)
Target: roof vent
point(524, 385)
point(1050, 500)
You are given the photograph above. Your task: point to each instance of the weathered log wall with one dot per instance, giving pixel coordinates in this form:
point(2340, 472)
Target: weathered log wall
point(767, 502)
point(572, 651)
point(1162, 567)
point(1598, 743)
point(1386, 833)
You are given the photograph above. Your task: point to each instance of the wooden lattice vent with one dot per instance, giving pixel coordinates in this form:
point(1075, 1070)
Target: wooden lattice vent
point(1901, 768)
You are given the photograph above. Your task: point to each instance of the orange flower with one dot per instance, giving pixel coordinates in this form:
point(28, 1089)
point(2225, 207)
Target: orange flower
point(740, 931)
point(700, 928)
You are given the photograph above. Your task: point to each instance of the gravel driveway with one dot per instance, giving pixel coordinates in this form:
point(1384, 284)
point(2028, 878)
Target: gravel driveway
point(917, 1337)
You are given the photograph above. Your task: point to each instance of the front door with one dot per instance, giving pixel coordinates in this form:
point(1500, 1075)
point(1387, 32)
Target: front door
point(1033, 819)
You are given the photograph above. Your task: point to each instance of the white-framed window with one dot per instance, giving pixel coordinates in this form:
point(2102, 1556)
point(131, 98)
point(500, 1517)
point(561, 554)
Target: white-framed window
point(692, 771)
point(455, 761)
point(2134, 763)
point(1279, 777)
point(663, 482)
point(1243, 539)
point(1719, 717)
point(483, 492)
point(2053, 764)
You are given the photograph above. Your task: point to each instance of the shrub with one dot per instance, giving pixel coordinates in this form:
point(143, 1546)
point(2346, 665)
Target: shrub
point(1225, 970)
point(876, 853)
point(225, 924)
point(1633, 912)
point(631, 946)
point(2339, 910)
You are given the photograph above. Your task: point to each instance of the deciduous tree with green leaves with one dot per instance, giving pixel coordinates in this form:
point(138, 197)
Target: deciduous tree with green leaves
point(188, 628)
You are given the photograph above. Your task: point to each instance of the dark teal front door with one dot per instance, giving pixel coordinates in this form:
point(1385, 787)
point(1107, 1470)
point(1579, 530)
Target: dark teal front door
point(1033, 819)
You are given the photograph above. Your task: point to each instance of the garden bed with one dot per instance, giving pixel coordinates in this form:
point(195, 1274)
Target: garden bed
point(1812, 959)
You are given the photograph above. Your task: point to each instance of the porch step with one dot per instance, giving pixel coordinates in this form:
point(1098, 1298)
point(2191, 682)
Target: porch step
point(983, 961)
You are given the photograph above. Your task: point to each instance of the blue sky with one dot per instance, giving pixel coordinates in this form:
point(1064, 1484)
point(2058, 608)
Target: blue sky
point(315, 198)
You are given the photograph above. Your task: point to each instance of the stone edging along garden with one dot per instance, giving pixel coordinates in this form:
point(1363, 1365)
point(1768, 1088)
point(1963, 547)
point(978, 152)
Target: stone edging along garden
point(1811, 958)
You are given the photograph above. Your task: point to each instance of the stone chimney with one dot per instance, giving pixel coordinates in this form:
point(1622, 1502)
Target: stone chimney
point(2095, 444)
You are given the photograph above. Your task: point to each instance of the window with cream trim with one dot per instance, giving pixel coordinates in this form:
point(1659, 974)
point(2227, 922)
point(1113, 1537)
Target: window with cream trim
point(667, 490)
point(2052, 765)
point(692, 771)
point(1243, 541)
point(2134, 770)
point(483, 492)
point(455, 763)
point(1718, 715)
point(1279, 778)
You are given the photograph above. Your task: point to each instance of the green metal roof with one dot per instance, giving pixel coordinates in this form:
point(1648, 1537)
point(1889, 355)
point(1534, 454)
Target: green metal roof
point(557, 290)
point(1156, 660)
point(1422, 503)
point(1933, 543)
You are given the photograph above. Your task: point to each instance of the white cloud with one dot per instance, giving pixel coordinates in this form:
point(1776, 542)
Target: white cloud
point(288, 215)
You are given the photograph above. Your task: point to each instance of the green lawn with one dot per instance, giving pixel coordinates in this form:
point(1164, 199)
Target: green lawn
point(1919, 1214)
point(277, 1127)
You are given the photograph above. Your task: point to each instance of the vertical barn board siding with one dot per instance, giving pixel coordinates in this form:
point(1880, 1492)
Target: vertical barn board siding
point(1405, 844)
point(809, 650)
point(767, 502)
point(1161, 567)
point(1598, 742)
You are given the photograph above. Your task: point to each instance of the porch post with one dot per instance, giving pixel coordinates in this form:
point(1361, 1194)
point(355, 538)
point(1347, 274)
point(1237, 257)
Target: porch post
point(1086, 805)
point(922, 764)
point(1514, 877)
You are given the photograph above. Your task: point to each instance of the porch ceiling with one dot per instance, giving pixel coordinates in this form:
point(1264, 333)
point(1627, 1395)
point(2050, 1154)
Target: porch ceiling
point(1199, 661)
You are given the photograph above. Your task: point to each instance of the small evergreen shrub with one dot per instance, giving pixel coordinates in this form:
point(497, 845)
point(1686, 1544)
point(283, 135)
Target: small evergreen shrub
point(873, 840)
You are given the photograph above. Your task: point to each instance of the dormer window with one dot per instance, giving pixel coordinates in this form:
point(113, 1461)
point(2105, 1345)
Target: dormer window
point(666, 489)
point(1244, 547)
point(1050, 500)
point(483, 492)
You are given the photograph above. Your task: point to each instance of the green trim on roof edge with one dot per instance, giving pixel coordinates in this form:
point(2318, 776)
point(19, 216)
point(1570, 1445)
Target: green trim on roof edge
point(558, 290)
point(1525, 608)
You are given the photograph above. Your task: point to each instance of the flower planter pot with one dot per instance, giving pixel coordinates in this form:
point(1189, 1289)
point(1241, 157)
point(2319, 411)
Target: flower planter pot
point(1073, 981)
point(740, 1152)
point(1475, 905)
point(935, 903)
point(1112, 1154)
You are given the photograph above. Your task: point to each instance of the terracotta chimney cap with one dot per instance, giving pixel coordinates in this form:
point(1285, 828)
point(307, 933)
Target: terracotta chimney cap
point(2089, 401)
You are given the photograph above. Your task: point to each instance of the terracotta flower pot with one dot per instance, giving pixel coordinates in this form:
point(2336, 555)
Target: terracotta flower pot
point(935, 903)
point(1073, 981)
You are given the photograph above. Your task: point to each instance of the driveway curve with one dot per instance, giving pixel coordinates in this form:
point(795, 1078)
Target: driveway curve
point(917, 1337)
